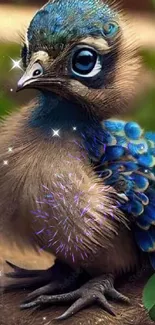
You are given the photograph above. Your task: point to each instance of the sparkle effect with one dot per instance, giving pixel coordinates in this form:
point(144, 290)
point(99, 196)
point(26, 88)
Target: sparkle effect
point(16, 64)
point(56, 133)
point(10, 149)
point(5, 162)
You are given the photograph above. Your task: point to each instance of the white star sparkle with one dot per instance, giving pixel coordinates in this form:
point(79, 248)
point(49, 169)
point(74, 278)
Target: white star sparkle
point(10, 149)
point(11, 90)
point(74, 128)
point(56, 133)
point(16, 64)
point(5, 162)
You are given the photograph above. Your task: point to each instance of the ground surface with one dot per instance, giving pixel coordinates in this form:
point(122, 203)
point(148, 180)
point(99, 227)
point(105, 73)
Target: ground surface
point(10, 313)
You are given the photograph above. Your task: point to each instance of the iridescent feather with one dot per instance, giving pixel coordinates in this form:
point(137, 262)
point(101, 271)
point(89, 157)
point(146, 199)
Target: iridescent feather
point(128, 164)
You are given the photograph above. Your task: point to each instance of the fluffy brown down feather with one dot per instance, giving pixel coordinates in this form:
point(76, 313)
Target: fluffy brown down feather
point(34, 162)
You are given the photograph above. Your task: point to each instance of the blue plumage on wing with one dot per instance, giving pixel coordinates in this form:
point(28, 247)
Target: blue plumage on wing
point(146, 160)
point(145, 239)
point(114, 126)
point(114, 152)
point(152, 259)
point(141, 183)
point(131, 158)
point(143, 198)
point(150, 136)
point(133, 130)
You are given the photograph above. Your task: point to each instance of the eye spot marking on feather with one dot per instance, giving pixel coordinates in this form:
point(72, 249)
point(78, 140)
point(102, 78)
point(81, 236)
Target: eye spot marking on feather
point(110, 29)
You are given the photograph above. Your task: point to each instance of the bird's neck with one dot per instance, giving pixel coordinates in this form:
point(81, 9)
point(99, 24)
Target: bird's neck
point(54, 112)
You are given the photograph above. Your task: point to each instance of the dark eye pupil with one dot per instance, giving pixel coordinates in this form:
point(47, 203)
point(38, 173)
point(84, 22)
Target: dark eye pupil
point(84, 61)
point(37, 72)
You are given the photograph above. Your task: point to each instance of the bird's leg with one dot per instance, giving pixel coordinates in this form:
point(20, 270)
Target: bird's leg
point(94, 291)
point(57, 279)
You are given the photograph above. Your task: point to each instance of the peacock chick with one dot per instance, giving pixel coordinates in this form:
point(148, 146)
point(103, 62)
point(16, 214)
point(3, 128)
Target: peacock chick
point(78, 184)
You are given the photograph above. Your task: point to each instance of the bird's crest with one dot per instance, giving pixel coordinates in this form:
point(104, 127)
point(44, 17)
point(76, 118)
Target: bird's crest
point(59, 22)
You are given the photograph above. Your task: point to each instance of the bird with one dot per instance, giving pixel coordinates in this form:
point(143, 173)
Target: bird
point(78, 182)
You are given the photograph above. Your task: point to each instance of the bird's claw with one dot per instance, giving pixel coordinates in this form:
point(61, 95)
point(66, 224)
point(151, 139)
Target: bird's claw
point(94, 291)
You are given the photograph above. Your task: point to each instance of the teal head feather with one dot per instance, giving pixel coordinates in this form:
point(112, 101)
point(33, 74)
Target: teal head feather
point(59, 22)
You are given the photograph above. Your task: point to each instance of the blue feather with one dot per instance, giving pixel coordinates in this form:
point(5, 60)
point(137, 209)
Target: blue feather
point(152, 259)
point(146, 239)
point(141, 182)
point(57, 23)
point(146, 160)
point(114, 152)
point(138, 148)
point(114, 126)
point(132, 160)
point(136, 208)
point(143, 222)
point(143, 198)
point(133, 130)
point(150, 136)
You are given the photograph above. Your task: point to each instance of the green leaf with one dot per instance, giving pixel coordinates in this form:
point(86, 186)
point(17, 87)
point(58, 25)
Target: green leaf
point(152, 313)
point(149, 296)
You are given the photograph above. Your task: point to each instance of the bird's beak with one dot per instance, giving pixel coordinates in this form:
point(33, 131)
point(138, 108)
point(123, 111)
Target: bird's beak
point(25, 82)
point(34, 78)
point(33, 72)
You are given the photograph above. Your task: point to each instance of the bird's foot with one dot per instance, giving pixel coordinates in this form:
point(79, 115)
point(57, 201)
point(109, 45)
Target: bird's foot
point(94, 291)
point(56, 279)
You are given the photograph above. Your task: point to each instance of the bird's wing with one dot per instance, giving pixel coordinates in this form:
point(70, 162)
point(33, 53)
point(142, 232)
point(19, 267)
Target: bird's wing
point(128, 164)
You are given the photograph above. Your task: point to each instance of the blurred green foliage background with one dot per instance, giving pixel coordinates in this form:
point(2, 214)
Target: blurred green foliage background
point(144, 106)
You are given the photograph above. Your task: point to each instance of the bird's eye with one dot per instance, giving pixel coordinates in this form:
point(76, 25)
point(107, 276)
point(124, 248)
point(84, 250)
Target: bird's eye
point(86, 63)
point(110, 29)
point(37, 70)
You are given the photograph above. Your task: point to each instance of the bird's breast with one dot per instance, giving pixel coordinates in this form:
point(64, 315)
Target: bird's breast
point(41, 200)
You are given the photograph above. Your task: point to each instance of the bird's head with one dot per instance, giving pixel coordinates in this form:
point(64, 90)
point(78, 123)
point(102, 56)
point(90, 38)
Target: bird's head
point(81, 50)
